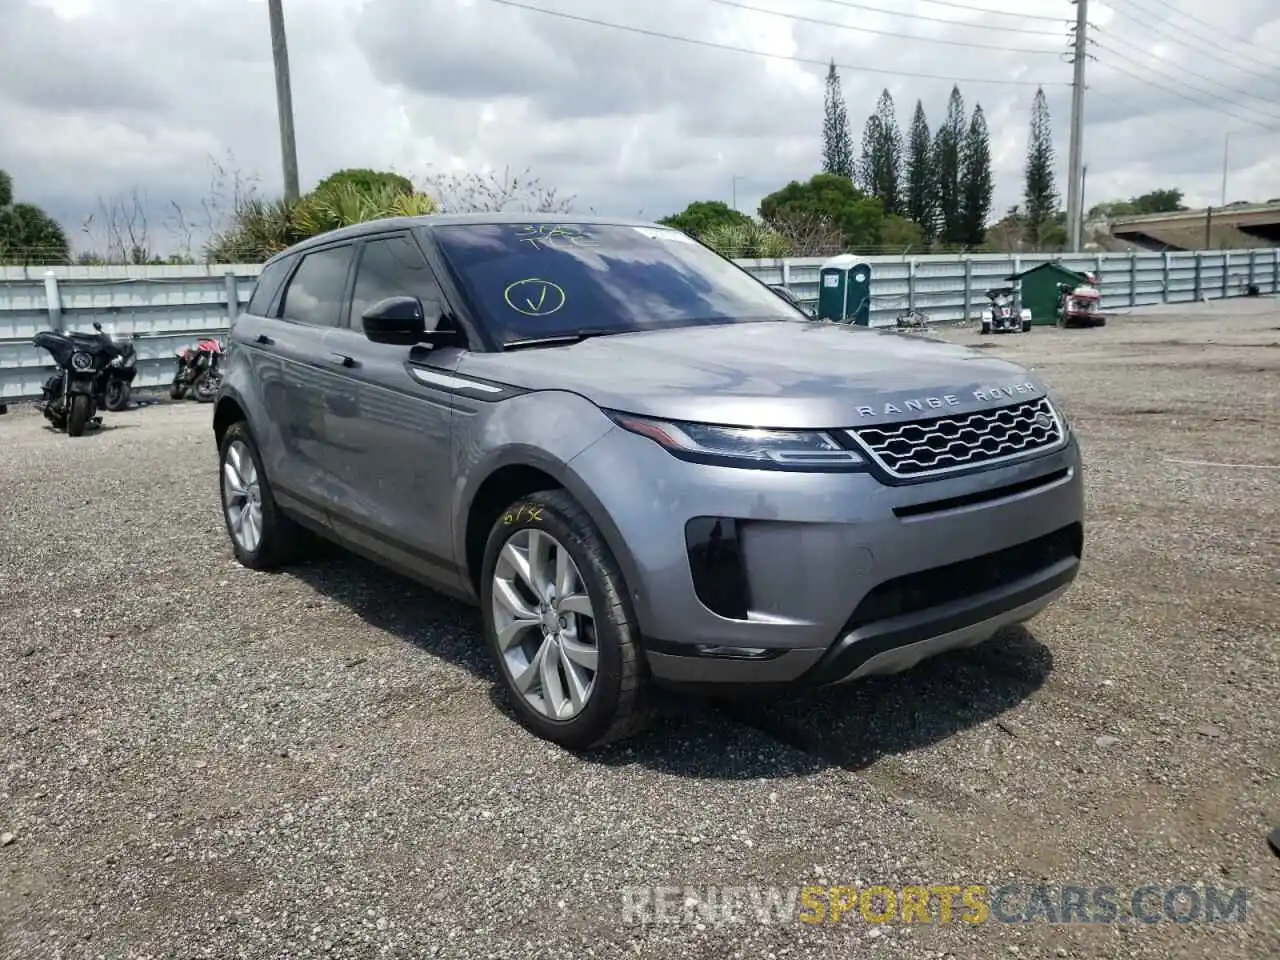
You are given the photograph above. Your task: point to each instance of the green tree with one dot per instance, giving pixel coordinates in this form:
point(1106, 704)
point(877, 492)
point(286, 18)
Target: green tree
point(702, 216)
point(947, 146)
point(1156, 201)
point(28, 235)
point(837, 145)
point(976, 183)
point(881, 166)
point(829, 199)
point(921, 204)
point(1040, 194)
point(365, 180)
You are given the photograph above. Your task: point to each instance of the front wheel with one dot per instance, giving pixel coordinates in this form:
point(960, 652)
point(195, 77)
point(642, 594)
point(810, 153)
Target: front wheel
point(986, 327)
point(177, 390)
point(116, 397)
point(559, 625)
point(78, 415)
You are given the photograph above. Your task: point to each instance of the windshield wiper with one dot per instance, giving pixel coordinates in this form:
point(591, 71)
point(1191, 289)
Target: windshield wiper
point(559, 340)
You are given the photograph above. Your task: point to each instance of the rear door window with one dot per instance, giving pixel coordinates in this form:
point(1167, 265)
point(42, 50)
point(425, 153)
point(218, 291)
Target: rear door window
point(315, 294)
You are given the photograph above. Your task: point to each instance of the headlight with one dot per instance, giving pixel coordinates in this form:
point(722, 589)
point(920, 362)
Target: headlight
point(81, 361)
point(744, 446)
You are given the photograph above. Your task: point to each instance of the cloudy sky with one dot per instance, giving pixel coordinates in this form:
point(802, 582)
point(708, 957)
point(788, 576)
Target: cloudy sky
point(102, 97)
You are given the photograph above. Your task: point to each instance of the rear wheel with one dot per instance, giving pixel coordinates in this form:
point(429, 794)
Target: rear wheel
point(986, 327)
point(1026, 326)
point(117, 396)
point(206, 388)
point(262, 537)
point(78, 415)
point(559, 625)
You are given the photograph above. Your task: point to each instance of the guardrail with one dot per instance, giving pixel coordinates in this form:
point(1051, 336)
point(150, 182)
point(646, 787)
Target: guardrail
point(166, 308)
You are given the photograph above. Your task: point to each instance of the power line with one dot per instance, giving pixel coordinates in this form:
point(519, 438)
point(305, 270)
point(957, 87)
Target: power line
point(1170, 90)
point(1235, 91)
point(847, 4)
point(1205, 23)
point(1197, 132)
point(884, 33)
point(986, 10)
point(851, 68)
point(1151, 20)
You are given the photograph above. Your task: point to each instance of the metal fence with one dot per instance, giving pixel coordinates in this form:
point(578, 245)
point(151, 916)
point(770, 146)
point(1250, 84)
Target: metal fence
point(166, 308)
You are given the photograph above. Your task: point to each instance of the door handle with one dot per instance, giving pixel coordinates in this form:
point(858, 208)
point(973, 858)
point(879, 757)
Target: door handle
point(342, 359)
point(265, 340)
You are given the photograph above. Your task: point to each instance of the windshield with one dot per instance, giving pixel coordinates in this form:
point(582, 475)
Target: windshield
point(531, 281)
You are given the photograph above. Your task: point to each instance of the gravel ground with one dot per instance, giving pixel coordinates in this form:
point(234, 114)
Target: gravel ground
point(201, 761)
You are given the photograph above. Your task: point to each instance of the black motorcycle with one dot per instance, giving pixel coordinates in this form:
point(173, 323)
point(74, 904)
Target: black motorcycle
point(115, 380)
point(71, 397)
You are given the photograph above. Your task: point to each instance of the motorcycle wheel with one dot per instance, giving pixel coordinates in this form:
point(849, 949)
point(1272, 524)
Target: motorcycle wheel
point(78, 416)
point(206, 388)
point(986, 328)
point(177, 390)
point(117, 396)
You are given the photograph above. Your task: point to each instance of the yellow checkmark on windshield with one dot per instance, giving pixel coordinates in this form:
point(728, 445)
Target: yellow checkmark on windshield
point(542, 298)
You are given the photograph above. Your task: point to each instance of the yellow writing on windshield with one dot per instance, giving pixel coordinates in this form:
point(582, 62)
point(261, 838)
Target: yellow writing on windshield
point(534, 297)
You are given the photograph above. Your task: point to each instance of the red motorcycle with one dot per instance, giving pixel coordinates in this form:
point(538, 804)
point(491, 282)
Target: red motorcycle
point(198, 371)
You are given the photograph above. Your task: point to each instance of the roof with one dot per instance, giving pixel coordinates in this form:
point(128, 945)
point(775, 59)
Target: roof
point(357, 230)
point(1054, 264)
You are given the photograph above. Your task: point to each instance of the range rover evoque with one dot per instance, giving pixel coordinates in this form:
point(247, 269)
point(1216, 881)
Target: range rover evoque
point(642, 463)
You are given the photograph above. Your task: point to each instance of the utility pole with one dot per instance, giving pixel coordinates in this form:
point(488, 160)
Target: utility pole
point(1076, 162)
point(735, 192)
point(1084, 176)
point(284, 100)
point(1226, 155)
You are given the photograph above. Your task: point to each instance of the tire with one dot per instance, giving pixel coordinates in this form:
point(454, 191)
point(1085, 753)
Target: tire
point(177, 391)
point(78, 415)
point(206, 388)
point(117, 396)
point(1026, 326)
point(280, 540)
point(986, 328)
point(617, 704)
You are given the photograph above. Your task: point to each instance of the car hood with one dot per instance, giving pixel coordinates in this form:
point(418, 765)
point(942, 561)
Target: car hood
point(782, 374)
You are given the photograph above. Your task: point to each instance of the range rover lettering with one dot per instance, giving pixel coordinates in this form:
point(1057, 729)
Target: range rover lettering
point(643, 464)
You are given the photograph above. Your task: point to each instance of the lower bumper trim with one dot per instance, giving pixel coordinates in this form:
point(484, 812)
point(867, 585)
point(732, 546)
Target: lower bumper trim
point(889, 646)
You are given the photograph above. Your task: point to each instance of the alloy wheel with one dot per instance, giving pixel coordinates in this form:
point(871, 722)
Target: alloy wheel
point(242, 496)
point(545, 625)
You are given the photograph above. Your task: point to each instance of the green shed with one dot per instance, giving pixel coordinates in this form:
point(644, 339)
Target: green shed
point(1039, 290)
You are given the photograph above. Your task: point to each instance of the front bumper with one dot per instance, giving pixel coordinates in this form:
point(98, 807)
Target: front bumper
point(843, 576)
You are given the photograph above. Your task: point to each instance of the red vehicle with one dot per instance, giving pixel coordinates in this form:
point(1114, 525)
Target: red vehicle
point(1078, 306)
point(198, 371)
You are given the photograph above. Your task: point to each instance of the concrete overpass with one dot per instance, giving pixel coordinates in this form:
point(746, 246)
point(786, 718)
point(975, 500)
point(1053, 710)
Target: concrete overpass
point(1235, 227)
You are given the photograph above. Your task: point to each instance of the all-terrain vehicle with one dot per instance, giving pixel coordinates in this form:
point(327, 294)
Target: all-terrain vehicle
point(1078, 306)
point(1006, 313)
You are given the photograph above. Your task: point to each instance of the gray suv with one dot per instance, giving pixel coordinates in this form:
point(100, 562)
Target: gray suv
point(641, 462)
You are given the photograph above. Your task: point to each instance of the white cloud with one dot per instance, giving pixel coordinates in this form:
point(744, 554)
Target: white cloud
point(100, 96)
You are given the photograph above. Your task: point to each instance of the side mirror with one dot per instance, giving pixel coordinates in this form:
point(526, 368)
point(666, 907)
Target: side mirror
point(97, 326)
point(397, 320)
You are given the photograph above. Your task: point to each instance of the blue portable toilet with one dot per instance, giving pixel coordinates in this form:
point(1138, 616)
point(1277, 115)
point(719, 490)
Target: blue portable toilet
point(844, 290)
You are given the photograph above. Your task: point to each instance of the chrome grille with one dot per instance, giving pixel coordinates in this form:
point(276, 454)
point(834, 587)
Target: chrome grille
point(943, 444)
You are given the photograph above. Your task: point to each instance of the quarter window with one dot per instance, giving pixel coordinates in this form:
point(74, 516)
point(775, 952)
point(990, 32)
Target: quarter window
point(315, 293)
point(264, 291)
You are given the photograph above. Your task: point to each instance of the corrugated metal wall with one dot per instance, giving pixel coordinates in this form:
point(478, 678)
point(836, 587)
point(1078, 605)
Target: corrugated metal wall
point(166, 308)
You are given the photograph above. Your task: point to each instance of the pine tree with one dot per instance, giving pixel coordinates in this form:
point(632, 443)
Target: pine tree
point(1040, 195)
point(946, 168)
point(976, 185)
point(837, 146)
point(882, 155)
point(920, 201)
